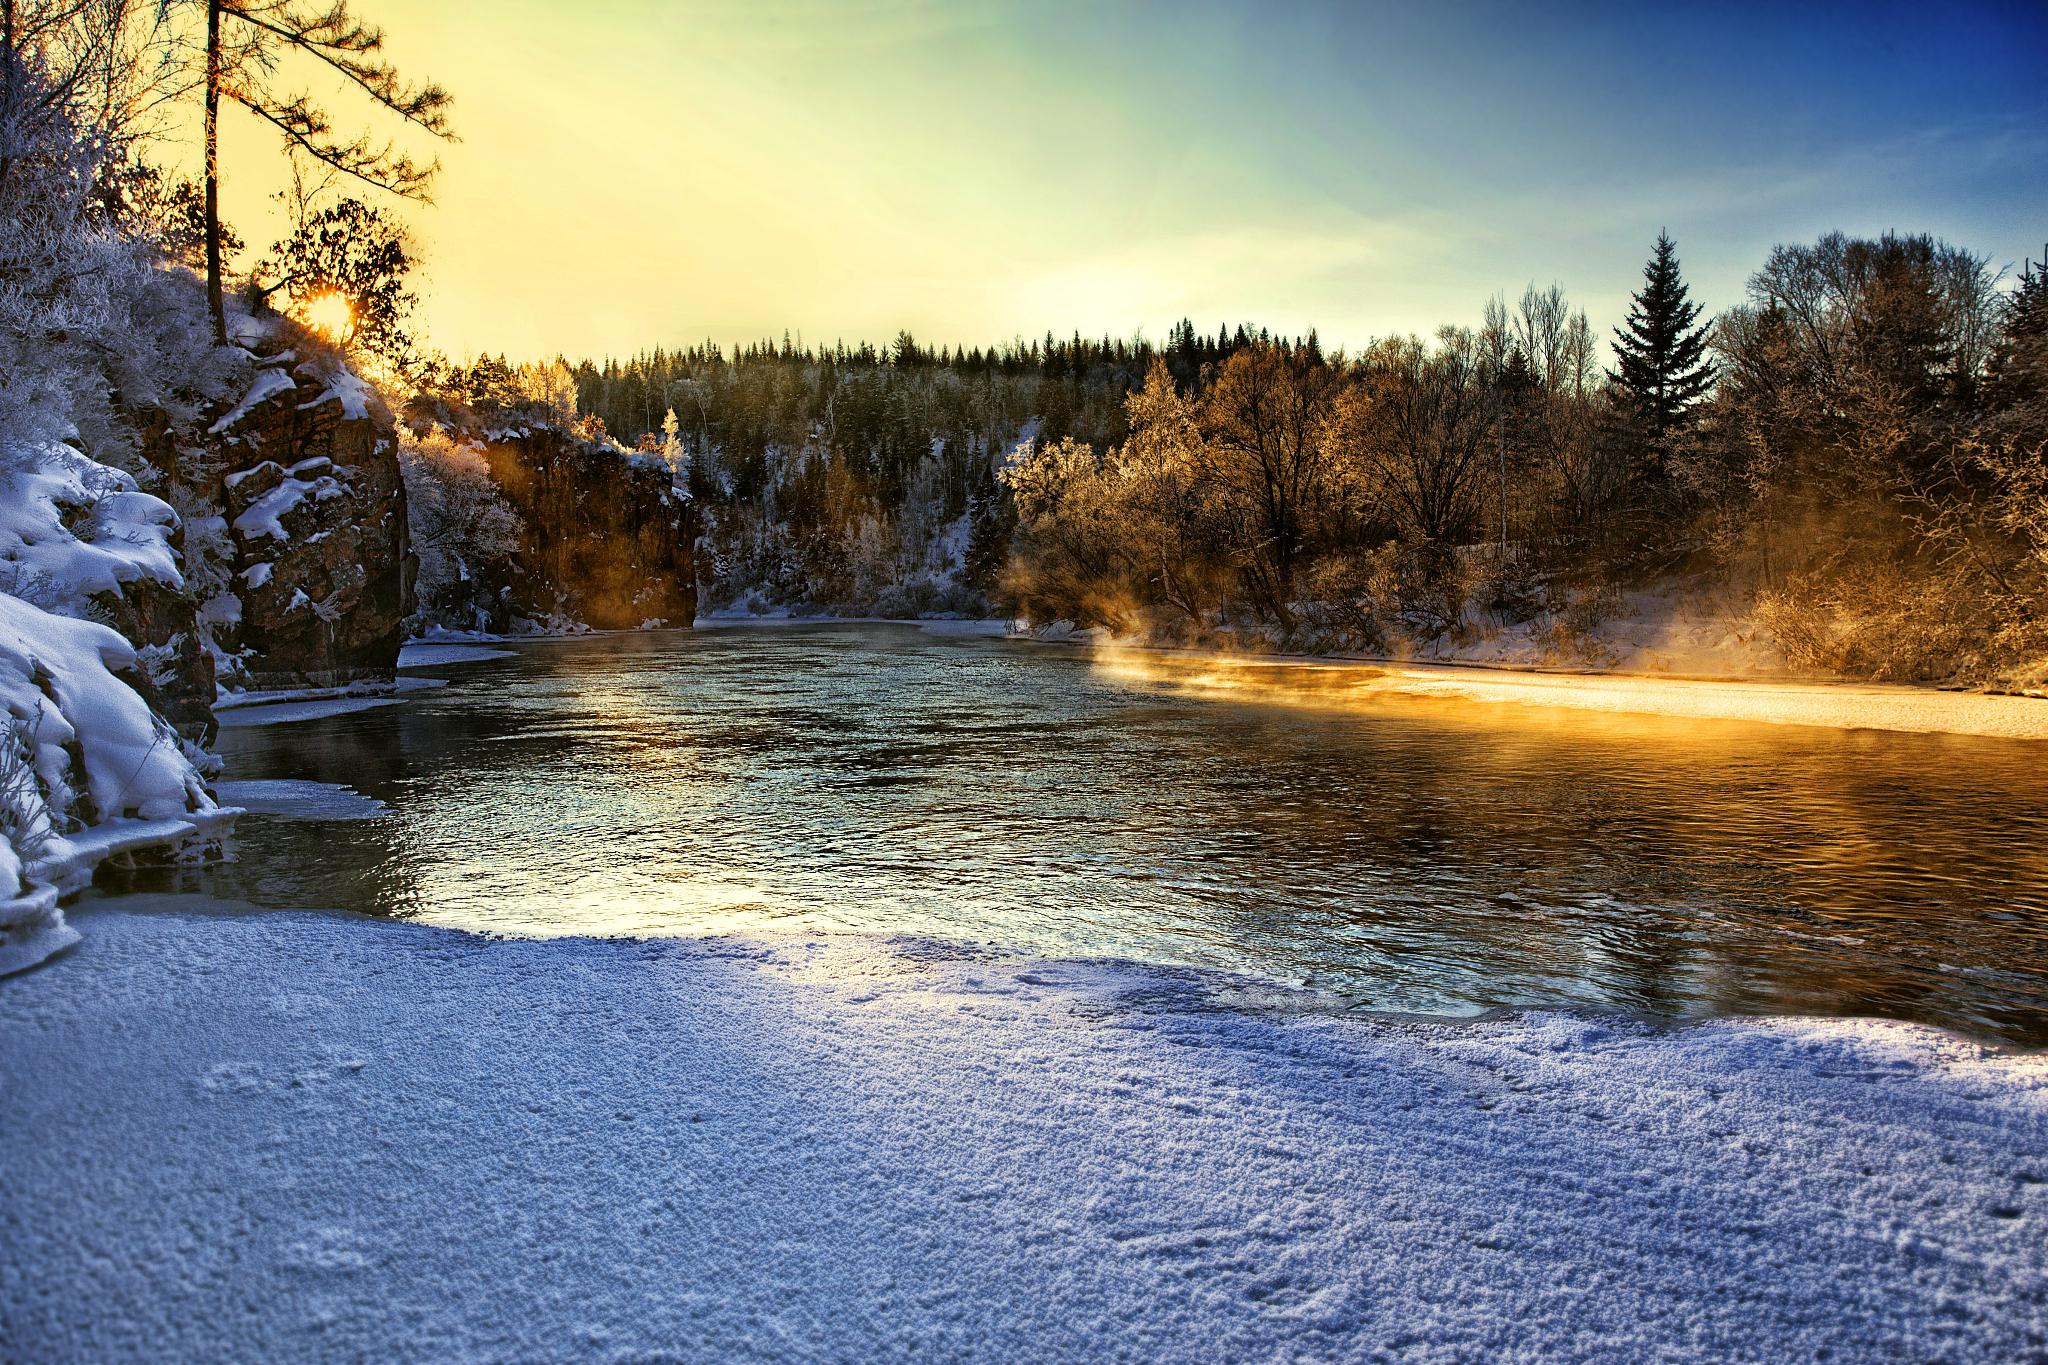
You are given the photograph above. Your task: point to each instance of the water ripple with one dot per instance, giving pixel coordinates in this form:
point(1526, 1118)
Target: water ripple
point(1410, 853)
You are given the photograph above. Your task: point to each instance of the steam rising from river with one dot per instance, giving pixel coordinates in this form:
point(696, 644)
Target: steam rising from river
point(1317, 683)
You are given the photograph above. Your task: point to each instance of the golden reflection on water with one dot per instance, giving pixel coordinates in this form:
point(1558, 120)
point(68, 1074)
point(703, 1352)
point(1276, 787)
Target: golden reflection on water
point(1705, 777)
point(1338, 685)
point(1404, 852)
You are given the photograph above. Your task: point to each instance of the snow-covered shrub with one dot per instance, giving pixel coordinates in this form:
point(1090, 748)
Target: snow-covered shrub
point(1570, 632)
point(1385, 599)
point(25, 828)
point(96, 320)
point(1884, 619)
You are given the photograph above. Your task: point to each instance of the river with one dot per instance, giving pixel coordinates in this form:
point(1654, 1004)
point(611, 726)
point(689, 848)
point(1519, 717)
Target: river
point(1395, 853)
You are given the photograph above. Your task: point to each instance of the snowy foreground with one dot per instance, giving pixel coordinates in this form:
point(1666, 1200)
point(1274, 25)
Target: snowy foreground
point(241, 1136)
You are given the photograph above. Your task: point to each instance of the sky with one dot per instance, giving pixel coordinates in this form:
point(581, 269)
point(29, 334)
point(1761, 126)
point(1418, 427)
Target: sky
point(634, 173)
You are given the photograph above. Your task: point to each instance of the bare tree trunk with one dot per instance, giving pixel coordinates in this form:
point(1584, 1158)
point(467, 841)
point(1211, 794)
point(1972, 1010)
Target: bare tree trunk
point(7, 74)
point(213, 294)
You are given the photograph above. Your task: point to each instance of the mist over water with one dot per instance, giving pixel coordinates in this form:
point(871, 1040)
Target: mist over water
point(1400, 853)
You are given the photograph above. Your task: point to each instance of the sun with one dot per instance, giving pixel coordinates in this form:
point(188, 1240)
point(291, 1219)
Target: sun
point(331, 315)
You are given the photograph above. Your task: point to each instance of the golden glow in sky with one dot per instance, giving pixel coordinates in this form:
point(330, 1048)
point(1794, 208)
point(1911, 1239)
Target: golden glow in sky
point(634, 173)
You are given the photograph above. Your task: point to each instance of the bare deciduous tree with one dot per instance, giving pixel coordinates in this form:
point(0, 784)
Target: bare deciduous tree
point(1421, 423)
point(1264, 426)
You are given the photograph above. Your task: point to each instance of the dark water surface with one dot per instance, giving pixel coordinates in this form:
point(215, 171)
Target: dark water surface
point(1406, 853)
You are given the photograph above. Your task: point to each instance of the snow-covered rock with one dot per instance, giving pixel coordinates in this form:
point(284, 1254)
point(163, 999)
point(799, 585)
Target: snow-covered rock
point(72, 530)
point(80, 538)
point(100, 652)
point(87, 770)
point(314, 509)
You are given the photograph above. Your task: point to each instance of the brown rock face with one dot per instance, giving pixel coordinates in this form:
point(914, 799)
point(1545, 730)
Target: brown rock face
point(315, 509)
point(606, 540)
point(176, 676)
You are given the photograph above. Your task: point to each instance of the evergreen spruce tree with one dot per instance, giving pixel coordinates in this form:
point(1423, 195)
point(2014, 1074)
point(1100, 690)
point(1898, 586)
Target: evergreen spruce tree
point(1662, 354)
point(2018, 372)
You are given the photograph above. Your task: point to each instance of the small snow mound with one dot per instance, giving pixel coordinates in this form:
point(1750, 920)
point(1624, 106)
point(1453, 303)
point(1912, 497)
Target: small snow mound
point(71, 528)
point(32, 929)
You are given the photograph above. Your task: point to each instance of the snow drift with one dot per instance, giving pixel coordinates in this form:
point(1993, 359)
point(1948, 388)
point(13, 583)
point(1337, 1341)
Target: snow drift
point(316, 1137)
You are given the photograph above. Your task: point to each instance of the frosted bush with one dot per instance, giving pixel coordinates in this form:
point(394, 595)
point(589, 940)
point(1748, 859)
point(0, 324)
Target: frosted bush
point(463, 531)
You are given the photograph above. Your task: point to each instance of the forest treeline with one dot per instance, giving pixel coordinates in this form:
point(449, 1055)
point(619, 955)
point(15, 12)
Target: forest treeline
point(868, 479)
point(1855, 454)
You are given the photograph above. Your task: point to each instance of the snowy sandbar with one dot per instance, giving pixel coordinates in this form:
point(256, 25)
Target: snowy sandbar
point(433, 654)
point(280, 713)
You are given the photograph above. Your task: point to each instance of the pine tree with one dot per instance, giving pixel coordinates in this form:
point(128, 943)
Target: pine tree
point(2016, 378)
point(1662, 354)
point(245, 40)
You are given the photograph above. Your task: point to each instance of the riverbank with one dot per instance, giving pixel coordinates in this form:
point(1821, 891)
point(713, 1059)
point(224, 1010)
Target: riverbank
point(243, 1136)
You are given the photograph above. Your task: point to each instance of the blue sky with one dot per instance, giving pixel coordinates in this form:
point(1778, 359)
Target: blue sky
point(974, 172)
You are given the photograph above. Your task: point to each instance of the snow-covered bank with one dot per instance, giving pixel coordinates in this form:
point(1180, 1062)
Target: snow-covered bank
point(1849, 706)
point(1673, 629)
point(424, 654)
point(992, 627)
point(289, 1135)
point(1338, 682)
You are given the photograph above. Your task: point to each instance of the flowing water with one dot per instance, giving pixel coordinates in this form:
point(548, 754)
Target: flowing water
point(1400, 853)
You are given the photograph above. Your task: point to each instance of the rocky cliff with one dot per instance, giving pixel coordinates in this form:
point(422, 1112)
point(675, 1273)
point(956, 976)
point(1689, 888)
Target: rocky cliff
point(605, 538)
point(313, 515)
point(175, 517)
point(589, 533)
